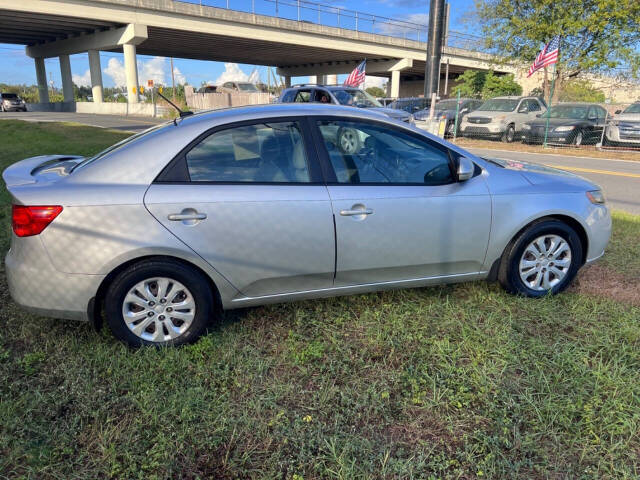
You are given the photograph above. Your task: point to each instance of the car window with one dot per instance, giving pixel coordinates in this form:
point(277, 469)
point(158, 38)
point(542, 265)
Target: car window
point(321, 96)
point(9, 96)
point(262, 152)
point(499, 105)
point(303, 96)
point(288, 96)
point(534, 106)
point(592, 113)
point(633, 108)
point(369, 153)
point(602, 113)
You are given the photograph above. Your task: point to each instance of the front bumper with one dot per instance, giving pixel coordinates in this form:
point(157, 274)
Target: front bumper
point(38, 287)
point(628, 135)
point(559, 138)
point(482, 129)
point(599, 224)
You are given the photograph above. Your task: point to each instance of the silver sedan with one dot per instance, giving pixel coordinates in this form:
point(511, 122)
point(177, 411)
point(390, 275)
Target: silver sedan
point(249, 206)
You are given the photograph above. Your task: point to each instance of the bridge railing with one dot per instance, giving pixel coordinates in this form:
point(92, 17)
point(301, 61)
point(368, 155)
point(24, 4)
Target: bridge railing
point(334, 16)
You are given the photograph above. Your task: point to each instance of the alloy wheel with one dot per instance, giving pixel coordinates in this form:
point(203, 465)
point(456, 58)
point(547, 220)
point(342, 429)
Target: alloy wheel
point(349, 141)
point(158, 309)
point(545, 262)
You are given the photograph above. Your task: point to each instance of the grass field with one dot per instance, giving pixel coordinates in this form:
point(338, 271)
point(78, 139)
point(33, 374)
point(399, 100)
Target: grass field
point(457, 382)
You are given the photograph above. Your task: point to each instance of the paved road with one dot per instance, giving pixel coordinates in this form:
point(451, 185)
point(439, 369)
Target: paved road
point(116, 122)
point(620, 179)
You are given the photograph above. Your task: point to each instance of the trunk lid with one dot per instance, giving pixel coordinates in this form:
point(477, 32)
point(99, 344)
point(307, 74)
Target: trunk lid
point(41, 169)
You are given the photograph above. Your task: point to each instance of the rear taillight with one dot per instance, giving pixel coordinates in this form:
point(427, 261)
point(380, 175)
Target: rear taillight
point(27, 221)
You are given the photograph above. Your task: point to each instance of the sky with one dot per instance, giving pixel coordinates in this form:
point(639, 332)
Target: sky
point(17, 68)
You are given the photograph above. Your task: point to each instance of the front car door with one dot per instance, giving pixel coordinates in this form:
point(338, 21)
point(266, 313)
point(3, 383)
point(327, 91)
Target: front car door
point(398, 212)
point(249, 198)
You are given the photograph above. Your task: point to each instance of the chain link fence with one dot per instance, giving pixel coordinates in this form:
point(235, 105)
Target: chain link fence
point(496, 122)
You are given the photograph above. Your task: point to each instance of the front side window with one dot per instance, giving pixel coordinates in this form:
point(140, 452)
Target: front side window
point(369, 153)
point(271, 152)
point(534, 106)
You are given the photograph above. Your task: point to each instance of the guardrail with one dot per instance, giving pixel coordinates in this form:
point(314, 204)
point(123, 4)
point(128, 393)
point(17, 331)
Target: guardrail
point(335, 16)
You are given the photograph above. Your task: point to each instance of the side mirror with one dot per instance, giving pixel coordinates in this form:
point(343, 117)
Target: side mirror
point(618, 112)
point(465, 169)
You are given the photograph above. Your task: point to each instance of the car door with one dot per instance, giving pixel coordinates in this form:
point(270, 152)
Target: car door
point(249, 198)
point(595, 116)
point(534, 109)
point(399, 214)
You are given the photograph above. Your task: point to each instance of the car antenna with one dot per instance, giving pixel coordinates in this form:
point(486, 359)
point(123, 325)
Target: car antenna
point(182, 113)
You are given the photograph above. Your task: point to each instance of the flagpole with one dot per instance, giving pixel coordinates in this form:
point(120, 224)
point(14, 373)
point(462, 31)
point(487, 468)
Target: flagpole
point(553, 84)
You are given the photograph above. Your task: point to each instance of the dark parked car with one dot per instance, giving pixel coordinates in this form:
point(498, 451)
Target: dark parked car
point(11, 102)
point(446, 110)
point(340, 95)
point(569, 124)
point(411, 104)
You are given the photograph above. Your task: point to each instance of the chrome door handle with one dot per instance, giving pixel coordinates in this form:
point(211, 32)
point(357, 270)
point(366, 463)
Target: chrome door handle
point(177, 217)
point(351, 213)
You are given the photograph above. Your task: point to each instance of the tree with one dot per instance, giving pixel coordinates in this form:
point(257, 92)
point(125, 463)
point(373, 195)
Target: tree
point(581, 91)
point(483, 84)
point(376, 92)
point(598, 36)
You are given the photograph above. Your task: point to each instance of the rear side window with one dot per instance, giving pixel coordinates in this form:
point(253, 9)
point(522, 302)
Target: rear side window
point(259, 153)
point(368, 153)
point(303, 96)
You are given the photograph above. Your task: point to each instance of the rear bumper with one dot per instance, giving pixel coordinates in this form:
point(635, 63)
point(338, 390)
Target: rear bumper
point(38, 287)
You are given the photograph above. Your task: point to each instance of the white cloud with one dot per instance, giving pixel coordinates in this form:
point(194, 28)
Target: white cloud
point(179, 76)
point(153, 69)
point(232, 73)
point(82, 80)
point(370, 81)
point(115, 70)
point(419, 19)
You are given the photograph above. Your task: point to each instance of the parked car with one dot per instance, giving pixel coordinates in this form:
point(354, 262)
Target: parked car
point(502, 117)
point(11, 102)
point(411, 104)
point(254, 205)
point(208, 89)
point(340, 95)
point(569, 123)
point(238, 87)
point(624, 128)
point(446, 110)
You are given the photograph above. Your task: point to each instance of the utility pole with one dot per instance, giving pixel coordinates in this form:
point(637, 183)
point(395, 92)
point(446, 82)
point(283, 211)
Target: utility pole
point(434, 47)
point(173, 81)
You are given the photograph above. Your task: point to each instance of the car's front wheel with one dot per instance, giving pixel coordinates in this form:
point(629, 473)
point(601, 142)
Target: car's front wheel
point(543, 259)
point(158, 302)
point(509, 134)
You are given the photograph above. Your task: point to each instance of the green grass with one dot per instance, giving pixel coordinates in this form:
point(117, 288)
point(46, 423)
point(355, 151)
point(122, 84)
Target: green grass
point(452, 382)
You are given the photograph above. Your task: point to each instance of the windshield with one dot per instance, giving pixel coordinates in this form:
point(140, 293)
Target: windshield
point(633, 108)
point(9, 95)
point(120, 144)
point(356, 98)
point(499, 105)
point(446, 105)
point(575, 112)
point(247, 87)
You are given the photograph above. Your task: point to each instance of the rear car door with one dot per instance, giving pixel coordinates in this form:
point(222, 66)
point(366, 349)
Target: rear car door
point(249, 198)
point(398, 212)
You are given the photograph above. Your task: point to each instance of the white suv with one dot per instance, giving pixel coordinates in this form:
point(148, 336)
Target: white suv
point(502, 117)
point(625, 126)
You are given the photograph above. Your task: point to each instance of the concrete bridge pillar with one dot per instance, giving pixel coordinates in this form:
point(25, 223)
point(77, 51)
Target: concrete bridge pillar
point(67, 81)
point(287, 81)
point(131, 72)
point(96, 75)
point(41, 75)
point(395, 84)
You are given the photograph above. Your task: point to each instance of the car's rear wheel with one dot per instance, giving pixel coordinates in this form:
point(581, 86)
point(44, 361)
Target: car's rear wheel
point(543, 259)
point(158, 302)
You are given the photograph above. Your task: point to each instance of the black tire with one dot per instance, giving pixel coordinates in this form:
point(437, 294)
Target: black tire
point(191, 278)
point(509, 134)
point(509, 271)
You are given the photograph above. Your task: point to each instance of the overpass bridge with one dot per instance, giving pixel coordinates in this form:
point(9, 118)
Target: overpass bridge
point(296, 45)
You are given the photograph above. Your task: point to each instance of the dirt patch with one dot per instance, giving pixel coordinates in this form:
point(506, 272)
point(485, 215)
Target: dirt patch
point(605, 282)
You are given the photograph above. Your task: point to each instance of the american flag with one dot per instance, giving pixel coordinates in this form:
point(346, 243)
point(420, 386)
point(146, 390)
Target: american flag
point(547, 56)
point(356, 77)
